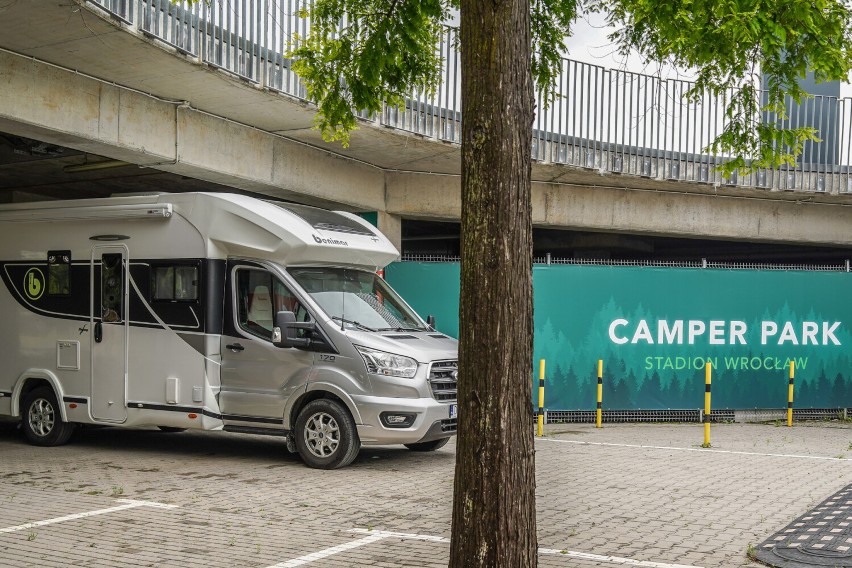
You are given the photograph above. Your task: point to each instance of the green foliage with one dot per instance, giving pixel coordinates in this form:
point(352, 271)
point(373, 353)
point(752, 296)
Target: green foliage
point(361, 53)
point(731, 43)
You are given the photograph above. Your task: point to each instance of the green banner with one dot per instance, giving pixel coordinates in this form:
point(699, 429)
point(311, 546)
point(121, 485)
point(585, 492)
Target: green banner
point(656, 328)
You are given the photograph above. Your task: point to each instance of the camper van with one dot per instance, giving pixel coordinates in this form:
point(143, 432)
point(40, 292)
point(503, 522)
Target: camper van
point(216, 312)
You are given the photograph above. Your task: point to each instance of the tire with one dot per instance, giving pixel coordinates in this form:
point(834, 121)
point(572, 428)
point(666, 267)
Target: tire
point(326, 437)
point(41, 419)
point(428, 446)
point(172, 429)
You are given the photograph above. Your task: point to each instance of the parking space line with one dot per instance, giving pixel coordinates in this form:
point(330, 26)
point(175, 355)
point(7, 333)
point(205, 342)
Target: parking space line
point(702, 450)
point(375, 536)
point(127, 504)
point(565, 553)
point(390, 534)
point(308, 558)
point(611, 559)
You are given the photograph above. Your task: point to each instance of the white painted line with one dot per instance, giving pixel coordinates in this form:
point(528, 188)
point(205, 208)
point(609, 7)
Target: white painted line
point(375, 536)
point(308, 558)
point(128, 504)
point(702, 450)
point(389, 534)
point(611, 559)
point(152, 504)
point(565, 553)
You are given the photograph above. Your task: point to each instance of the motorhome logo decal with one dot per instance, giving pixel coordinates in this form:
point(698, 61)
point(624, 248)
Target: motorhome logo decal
point(34, 283)
point(322, 241)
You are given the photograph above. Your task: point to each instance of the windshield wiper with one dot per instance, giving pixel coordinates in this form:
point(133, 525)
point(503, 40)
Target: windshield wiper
point(353, 322)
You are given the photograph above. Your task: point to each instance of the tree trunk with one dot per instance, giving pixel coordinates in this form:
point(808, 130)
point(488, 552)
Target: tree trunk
point(494, 494)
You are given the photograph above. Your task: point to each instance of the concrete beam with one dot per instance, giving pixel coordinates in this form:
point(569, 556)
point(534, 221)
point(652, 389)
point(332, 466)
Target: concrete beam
point(61, 107)
point(686, 214)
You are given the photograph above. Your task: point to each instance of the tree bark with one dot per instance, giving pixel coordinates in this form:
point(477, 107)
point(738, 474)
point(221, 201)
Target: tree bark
point(494, 494)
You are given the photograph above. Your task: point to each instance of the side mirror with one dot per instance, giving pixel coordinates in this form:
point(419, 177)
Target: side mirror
point(430, 321)
point(286, 334)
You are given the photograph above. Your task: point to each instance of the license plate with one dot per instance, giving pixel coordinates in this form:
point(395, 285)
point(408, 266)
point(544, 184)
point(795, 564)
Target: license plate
point(454, 411)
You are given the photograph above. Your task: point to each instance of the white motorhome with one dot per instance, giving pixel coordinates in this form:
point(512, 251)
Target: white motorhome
point(217, 312)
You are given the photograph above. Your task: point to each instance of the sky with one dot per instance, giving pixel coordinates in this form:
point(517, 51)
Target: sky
point(589, 44)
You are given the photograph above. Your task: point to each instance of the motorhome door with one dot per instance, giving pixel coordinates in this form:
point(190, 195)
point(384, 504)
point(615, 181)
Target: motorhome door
point(258, 378)
point(108, 322)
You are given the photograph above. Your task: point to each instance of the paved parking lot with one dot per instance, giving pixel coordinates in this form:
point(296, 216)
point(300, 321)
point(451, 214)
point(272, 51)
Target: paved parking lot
point(625, 495)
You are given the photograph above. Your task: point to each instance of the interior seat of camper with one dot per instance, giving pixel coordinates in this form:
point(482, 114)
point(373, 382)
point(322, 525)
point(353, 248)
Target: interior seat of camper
point(260, 308)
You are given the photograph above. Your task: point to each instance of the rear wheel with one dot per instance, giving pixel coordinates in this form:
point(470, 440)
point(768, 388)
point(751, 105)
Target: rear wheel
point(326, 437)
point(428, 446)
point(41, 419)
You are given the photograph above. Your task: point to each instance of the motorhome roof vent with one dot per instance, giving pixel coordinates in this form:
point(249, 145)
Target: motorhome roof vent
point(323, 220)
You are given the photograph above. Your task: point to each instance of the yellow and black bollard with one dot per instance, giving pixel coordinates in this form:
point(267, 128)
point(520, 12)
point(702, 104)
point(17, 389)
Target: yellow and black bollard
point(790, 395)
point(707, 372)
point(541, 398)
point(600, 393)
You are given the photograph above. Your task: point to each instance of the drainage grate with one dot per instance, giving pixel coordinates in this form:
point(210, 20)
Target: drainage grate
point(820, 537)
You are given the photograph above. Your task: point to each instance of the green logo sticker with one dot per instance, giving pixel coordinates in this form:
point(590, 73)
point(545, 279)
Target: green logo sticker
point(34, 283)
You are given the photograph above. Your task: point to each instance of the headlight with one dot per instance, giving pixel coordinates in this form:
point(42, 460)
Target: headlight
point(381, 363)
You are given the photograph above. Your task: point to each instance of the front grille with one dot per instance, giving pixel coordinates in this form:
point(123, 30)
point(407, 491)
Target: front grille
point(442, 379)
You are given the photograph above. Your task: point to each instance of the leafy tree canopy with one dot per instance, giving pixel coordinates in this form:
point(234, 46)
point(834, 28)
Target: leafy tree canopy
point(359, 54)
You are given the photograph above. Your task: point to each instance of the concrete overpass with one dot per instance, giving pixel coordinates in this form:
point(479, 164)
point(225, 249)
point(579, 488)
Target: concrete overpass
point(102, 84)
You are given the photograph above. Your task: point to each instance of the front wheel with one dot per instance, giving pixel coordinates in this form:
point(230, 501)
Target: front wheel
point(326, 436)
point(41, 419)
point(428, 446)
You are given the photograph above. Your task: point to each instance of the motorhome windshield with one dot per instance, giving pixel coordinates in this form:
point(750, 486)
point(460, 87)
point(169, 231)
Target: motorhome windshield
point(357, 298)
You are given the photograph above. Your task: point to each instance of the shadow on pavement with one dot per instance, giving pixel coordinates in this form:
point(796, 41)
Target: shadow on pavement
point(223, 445)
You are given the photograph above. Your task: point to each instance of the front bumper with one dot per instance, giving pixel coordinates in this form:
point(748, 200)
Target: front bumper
point(432, 420)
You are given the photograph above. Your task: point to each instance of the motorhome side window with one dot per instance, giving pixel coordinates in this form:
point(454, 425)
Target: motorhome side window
point(112, 288)
point(259, 297)
point(59, 272)
point(174, 283)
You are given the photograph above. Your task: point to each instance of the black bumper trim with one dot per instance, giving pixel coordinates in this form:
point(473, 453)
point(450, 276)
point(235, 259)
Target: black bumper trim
point(174, 408)
point(440, 429)
point(258, 419)
point(77, 399)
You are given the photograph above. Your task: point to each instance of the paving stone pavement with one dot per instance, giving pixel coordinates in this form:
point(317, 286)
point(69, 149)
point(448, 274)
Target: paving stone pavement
point(644, 493)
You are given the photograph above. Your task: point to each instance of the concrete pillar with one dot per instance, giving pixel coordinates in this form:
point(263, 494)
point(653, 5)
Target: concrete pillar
point(391, 227)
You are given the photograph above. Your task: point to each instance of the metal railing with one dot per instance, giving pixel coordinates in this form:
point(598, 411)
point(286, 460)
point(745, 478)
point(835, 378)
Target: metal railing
point(610, 120)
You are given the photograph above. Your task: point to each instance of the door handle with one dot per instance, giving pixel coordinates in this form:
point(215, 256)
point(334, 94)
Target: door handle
point(99, 332)
point(235, 347)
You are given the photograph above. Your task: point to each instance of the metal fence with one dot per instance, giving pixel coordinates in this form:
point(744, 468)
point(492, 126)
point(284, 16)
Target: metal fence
point(610, 120)
point(549, 259)
point(695, 415)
